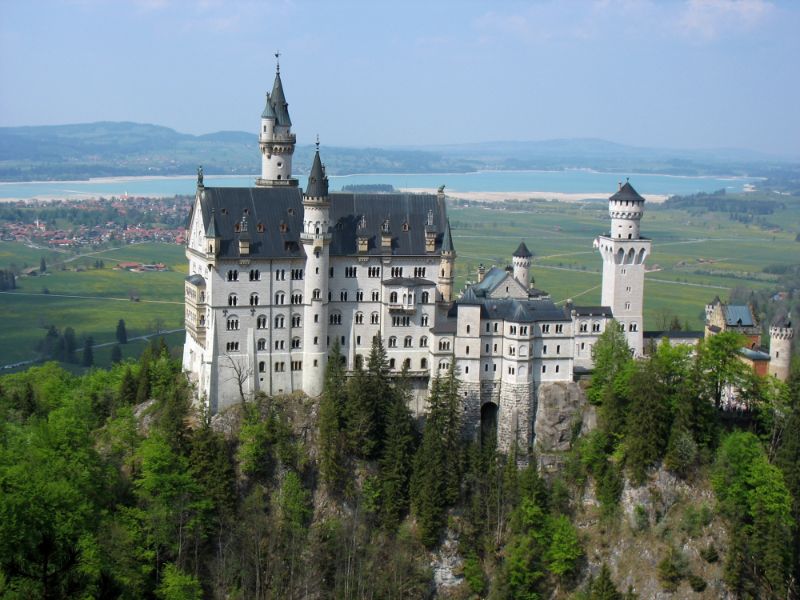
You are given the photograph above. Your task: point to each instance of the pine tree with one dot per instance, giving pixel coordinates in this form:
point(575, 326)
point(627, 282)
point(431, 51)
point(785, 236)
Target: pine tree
point(42, 265)
point(116, 354)
point(127, 387)
point(396, 461)
point(610, 355)
point(603, 587)
point(122, 333)
point(88, 352)
point(70, 344)
point(331, 422)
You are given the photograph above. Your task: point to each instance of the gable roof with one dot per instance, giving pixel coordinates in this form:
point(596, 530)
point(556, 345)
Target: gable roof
point(738, 315)
point(275, 220)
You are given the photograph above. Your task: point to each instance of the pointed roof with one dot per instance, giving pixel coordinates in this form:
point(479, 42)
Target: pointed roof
point(783, 321)
point(522, 251)
point(279, 104)
point(627, 193)
point(211, 230)
point(317, 180)
point(269, 112)
point(244, 234)
point(447, 241)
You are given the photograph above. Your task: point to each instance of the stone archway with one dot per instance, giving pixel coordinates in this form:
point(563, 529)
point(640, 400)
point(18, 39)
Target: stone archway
point(489, 413)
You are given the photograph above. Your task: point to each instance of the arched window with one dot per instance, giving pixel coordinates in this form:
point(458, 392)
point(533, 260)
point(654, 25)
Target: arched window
point(423, 363)
point(295, 343)
point(295, 320)
point(407, 342)
point(393, 298)
point(317, 294)
point(280, 298)
point(297, 298)
point(253, 299)
point(262, 366)
point(262, 344)
point(335, 318)
point(232, 324)
point(392, 342)
point(261, 322)
point(280, 322)
point(423, 342)
point(374, 318)
point(407, 363)
point(359, 318)
point(444, 344)
point(232, 300)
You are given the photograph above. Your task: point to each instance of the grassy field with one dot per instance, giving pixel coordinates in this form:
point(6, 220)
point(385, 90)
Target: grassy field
point(699, 256)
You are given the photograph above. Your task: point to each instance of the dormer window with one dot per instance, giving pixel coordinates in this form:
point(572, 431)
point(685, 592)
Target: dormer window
point(284, 227)
point(237, 227)
point(405, 225)
point(260, 228)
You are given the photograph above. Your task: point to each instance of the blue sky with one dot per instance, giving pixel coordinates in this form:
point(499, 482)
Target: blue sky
point(680, 74)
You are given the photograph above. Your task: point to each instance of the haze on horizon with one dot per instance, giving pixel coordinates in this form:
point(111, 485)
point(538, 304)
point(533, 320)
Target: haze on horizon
point(690, 74)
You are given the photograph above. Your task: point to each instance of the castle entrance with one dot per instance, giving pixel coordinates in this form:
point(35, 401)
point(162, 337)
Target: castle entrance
point(489, 423)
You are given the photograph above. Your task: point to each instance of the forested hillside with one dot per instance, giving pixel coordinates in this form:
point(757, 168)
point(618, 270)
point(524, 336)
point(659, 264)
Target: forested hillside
point(114, 486)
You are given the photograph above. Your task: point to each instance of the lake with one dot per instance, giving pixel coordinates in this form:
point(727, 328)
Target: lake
point(568, 181)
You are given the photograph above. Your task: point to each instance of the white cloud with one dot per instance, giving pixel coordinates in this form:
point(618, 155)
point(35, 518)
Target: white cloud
point(708, 19)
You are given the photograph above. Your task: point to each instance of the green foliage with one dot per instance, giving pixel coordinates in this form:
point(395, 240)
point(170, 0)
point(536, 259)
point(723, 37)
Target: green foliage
point(473, 574)
point(88, 352)
point(122, 332)
point(672, 569)
point(395, 465)
point(603, 587)
point(565, 547)
point(610, 354)
point(709, 553)
point(332, 437)
point(697, 583)
point(294, 502)
point(177, 585)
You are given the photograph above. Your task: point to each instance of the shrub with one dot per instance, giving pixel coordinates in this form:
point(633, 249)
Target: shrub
point(698, 583)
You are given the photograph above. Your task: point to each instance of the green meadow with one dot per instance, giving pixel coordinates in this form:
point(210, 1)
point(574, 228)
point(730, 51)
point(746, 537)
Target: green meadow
point(696, 255)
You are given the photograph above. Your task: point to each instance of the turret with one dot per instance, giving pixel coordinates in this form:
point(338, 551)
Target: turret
point(625, 208)
point(780, 347)
point(212, 236)
point(447, 266)
point(522, 264)
point(275, 138)
point(624, 252)
point(316, 240)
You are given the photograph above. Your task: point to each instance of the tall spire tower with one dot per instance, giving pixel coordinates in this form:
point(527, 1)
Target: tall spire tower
point(275, 138)
point(316, 239)
point(624, 252)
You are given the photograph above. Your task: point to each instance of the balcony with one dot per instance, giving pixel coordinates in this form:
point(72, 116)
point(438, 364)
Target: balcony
point(397, 307)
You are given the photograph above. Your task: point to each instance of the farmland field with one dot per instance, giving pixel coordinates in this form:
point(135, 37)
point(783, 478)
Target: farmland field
point(696, 255)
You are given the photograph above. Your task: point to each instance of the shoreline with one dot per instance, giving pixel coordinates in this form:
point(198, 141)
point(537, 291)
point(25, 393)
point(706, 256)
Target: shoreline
point(571, 197)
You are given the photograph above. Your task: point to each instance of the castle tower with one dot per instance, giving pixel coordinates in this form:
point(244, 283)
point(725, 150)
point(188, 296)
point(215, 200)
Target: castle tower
point(522, 265)
point(316, 239)
point(624, 251)
point(780, 347)
point(447, 266)
point(275, 138)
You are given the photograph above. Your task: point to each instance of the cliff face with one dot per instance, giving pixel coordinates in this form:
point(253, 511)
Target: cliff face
point(562, 413)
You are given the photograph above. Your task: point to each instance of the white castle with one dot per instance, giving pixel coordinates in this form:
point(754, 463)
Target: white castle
point(278, 274)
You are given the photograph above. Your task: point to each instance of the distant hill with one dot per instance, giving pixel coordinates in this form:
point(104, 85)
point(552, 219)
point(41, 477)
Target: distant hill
point(106, 149)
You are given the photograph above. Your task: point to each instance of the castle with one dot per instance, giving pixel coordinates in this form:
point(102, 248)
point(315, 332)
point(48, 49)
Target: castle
point(278, 274)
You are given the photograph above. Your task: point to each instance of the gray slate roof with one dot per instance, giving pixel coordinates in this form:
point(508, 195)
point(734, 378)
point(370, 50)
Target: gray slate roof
point(275, 221)
point(279, 104)
point(408, 281)
point(447, 242)
point(627, 194)
point(317, 179)
point(532, 310)
point(592, 311)
point(522, 251)
point(196, 279)
point(738, 315)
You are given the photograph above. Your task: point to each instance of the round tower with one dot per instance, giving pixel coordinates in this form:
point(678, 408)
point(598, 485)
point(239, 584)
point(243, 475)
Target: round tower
point(780, 348)
point(275, 138)
point(521, 260)
point(316, 239)
point(447, 265)
point(626, 210)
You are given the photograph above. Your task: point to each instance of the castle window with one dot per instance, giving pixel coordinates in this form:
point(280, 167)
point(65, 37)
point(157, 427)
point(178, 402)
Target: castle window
point(558, 368)
point(407, 342)
point(330, 272)
point(512, 351)
point(295, 343)
point(280, 298)
point(253, 299)
point(262, 344)
point(295, 320)
point(232, 324)
point(343, 295)
point(444, 345)
point(297, 274)
point(374, 318)
point(376, 295)
point(316, 340)
point(316, 318)
point(297, 298)
point(279, 367)
point(260, 228)
point(232, 346)
point(627, 306)
point(544, 368)
point(279, 322)
point(393, 298)
point(405, 225)
point(391, 363)
point(487, 348)
point(261, 322)
point(423, 363)
point(595, 327)
point(544, 349)
point(280, 344)
point(488, 327)
point(374, 271)
point(335, 318)
point(419, 271)
point(425, 297)
point(486, 367)
point(467, 350)
point(262, 366)
point(359, 296)
point(634, 327)
point(255, 275)
point(495, 347)
point(280, 274)
point(523, 330)
point(423, 342)
point(359, 318)
point(558, 349)
point(423, 320)
point(317, 294)
point(350, 272)
point(232, 300)
point(584, 327)
point(546, 328)
point(495, 327)
point(407, 363)
point(559, 329)
point(392, 342)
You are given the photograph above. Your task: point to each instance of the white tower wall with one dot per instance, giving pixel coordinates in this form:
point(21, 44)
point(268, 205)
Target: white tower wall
point(780, 351)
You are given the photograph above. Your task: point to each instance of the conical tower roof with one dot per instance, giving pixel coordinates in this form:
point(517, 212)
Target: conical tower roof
point(317, 180)
point(279, 104)
point(211, 230)
point(627, 193)
point(522, 251)
point(447, 240)
point(269, 112)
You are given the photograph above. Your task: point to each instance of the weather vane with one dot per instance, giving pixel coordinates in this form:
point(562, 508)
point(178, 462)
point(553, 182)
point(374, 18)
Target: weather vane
point(317, 142)
point(277, 61)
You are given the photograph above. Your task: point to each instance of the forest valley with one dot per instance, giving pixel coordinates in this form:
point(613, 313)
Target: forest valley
point(113, 485)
